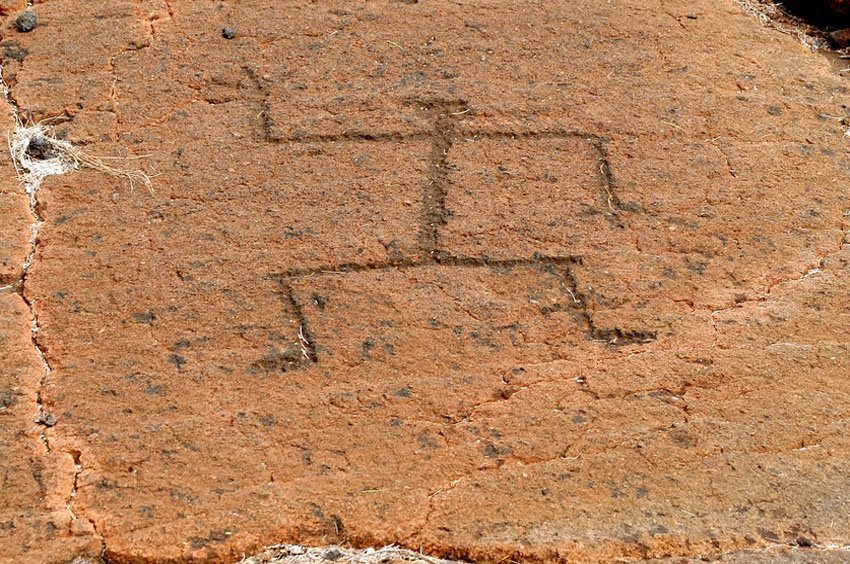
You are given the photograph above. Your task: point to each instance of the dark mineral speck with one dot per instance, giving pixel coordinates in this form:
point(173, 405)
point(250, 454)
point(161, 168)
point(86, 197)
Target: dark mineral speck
point(39, 148)
point(228, 32)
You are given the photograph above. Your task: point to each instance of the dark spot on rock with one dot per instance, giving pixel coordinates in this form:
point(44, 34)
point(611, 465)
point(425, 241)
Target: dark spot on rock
point(13, 50)
point(105, 484)
point(366, 348)
point(267, 420)
point(642, 492)
point(403, 393)
point(177, 360)
point(395, 250)
point(682, 438)
point(427, 441)
point(318, 301)
point(774, 110)
point(290, 232)
point(333, 554)
point(659, 530)
point(46, 419)
point(768, 535)
point(578, 419)
point(395, 422)
point(698, 266)
point(26, 22)
point(180, 345)
point(228, 32)
point(804, 542)
point(279, 360)
point(546, 310)
point(492, 451)
point(152, 390)
point(146, 317)
point(8, 398)
point(506, 393)
point(219, 536)
point(40, 148)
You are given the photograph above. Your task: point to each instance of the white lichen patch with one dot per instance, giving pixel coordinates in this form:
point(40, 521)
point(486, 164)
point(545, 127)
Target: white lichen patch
point(37, 153)
point(296, 554)
point(30, 168)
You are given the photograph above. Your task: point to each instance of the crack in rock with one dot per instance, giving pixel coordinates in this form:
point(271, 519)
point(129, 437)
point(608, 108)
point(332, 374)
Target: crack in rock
point(36, 155)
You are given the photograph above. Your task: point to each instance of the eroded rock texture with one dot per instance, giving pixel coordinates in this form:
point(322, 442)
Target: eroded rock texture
point(537, 281)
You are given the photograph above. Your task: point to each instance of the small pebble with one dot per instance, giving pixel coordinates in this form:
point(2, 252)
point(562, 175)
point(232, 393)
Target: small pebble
point(228, 32)
point(26, 22)
point(40, 148)
point(48, 420)
point(804, 542)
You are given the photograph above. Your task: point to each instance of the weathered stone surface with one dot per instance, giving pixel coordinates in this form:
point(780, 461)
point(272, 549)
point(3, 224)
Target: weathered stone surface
point(550, 283)
point(14, 240)
point(37, 513)
point(14, 213)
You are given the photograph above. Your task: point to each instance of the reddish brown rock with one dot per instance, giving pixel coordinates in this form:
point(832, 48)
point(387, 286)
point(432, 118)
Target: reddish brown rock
point(15, 214)
point(37, 515)
point(496, 284)
point(14, 240)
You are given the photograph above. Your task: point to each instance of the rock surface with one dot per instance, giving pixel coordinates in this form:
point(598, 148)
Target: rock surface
point(494, 283)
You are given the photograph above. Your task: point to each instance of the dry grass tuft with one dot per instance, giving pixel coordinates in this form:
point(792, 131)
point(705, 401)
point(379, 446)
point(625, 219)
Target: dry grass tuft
point(763, 11)
point(295, 554)
point(37, 153)
point(771, 14)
